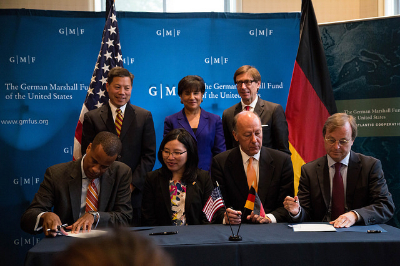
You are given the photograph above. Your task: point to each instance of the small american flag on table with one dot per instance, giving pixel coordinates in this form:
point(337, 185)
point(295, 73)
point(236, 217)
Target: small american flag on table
point(213, 204)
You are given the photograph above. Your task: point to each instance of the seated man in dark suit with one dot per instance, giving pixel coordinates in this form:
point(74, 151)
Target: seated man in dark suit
point(342, 187)
point(83, 194)
point(270, 171)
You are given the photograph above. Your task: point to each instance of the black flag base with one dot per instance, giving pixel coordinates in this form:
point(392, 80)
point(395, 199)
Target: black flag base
point(235, 238)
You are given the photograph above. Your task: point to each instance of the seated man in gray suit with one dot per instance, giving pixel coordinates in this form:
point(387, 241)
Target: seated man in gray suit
point(268, 170)
point(274, 126)
point(342, 187)
point(83, 194)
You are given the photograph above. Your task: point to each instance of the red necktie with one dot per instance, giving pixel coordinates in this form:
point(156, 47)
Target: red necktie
point(337, 207)
point(92, 197)
point(118, 121)
point(247, 107)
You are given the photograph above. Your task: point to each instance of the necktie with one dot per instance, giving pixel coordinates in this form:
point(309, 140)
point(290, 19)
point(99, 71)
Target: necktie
point(92, 198)
point(247, 107)
point(118, 121)
point(251, 175)
point(337, 207)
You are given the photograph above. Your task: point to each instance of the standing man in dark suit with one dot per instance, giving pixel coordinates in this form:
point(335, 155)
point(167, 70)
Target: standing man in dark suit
point(136, 133)
point(342, 187)
point(62, 196)
point(273, 120)
point(272, 173)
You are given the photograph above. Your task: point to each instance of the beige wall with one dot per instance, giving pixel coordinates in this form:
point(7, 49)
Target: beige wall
point(70, 5)
point(325, 10)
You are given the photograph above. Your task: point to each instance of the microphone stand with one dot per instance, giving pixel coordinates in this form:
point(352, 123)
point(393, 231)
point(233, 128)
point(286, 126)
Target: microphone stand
point(233, 237)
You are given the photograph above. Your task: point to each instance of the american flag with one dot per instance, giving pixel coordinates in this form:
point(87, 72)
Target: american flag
point(110, 56)
point(213, 204)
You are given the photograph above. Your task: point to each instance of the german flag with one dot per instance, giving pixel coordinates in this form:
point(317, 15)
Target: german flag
point(253, 203)
point(310, 101)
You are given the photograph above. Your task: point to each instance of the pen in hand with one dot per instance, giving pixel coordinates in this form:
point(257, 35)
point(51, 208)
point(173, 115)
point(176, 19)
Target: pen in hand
point(295, 199)
point(58, 228)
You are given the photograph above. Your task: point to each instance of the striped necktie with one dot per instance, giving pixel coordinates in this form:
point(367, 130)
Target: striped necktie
point(118, 121)
point(92, 197)
point(251, 175)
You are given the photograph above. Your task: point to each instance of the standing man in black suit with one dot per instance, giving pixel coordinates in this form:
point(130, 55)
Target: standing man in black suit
point(137, 132)
point(273, 120)
point(342, 187)
point(62, 196)
point(272, 173)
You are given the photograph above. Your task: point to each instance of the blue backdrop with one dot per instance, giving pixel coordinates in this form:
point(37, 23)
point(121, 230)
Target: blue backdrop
point(48, 58)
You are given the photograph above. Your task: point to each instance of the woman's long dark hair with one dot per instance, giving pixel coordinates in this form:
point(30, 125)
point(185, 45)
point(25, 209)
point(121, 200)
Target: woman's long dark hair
point(184, 137)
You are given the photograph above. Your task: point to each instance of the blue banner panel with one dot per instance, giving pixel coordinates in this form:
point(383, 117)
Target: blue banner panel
point(48, 58)
point(363, 59)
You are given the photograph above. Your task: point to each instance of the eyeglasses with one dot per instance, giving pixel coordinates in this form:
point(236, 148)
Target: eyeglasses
point(246, 82)
point(175, 154)
point(342, 142)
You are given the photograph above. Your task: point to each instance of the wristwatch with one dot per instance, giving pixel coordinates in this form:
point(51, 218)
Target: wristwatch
point(95, 215)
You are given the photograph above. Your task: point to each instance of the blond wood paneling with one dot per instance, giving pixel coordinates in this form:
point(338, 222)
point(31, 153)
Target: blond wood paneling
point(70, 5)
point(369, 8)
point(325, 10)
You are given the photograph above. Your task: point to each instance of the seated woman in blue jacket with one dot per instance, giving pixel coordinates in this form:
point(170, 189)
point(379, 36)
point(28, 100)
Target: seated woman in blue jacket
point(205, 128)
point(176, 193)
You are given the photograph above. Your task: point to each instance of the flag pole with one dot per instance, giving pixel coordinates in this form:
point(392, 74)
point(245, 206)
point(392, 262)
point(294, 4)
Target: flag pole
point(109, 57)
point(310, 83)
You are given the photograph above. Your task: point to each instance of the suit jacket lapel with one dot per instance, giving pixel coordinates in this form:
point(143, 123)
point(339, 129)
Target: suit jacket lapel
point(184, 123)
point(266, 172)
point(259, 108)
point(166, 198)
point(106, 185)
point(190, 188)
point(203, 122)
point(238, 109)
point(353, 174)
point(322, 172)
point(106, 116)
point(75, 189)
point(237, 173)
point(129, 117)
